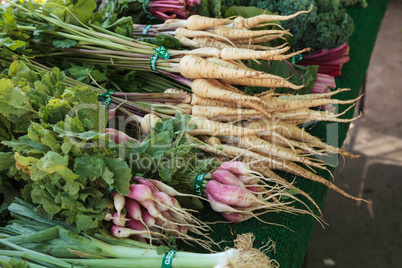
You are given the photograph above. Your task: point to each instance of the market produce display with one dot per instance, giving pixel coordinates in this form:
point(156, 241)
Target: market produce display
point(129, 142)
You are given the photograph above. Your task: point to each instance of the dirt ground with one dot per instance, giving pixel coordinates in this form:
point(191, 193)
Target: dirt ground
point(361, 235)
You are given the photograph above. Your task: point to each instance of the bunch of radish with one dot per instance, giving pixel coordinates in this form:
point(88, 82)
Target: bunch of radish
point(151, 213)
point(240, 194)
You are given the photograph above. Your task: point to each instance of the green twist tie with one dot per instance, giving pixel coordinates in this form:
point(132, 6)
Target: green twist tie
point(106, 98)
point(198, 184)
point(145, 30)
point(111, 190)
point(152, 62)
point(144, 7)
point(160, 52)
point(167, 259)
point(296, 58)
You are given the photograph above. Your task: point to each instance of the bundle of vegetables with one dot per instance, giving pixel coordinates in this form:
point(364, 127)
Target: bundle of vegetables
point(151, 10)
point(136, 55)
point(31, 240)
point(329, 60)
point(198, 31)
point(151, 212)
point(52, 158)
point(241, 197)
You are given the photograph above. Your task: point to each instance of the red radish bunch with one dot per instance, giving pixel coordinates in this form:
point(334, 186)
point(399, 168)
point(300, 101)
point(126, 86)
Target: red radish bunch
point(150, 212)
point(239, 193)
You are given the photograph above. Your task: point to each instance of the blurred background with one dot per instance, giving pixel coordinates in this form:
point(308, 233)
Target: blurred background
point(362, 235)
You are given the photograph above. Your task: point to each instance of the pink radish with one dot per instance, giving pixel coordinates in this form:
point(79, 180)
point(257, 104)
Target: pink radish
point(236, 217)
point(236, 167)
point(119, 202)
point(167, 215)
point(143, 193)
point(231, 195)
point(151, 208)
point(147, 218)
point(248, 180)
point(169, 190)
point(218, 206)
point(140, 192)
point(178, 216)
point(256, 190)
point(136, 225)
point(175, 203)
point(112, 113)
point(123, 232)
point(146, 182)
point(156, 230)
point(165, 200)
point(167, 225)
point(118, 136)
point(225, 177)
point(165, 188)
point(151, 221)
point(133, 209)
point(139, 226)
point(183, 229)
point(252, 188)
point(108, 217)
point(119, 220)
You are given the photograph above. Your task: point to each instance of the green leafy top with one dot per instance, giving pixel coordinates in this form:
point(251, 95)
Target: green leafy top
point(328, 25)
point(165, 153)
point(68, 166)
point(56, 146)
point(210, 8)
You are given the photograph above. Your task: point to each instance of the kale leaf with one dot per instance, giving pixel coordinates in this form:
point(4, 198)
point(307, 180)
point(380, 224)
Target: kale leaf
point(328, 25)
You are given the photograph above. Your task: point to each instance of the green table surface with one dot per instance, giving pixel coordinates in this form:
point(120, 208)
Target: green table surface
point(292, 243)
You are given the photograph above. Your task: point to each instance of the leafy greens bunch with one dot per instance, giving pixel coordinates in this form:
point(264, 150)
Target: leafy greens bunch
point(23, 97)
point(328, 25)
point(64, 159)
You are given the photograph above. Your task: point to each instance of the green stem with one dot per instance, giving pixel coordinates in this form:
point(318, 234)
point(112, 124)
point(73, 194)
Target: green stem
point(33, 265)
point(146, 262)
point(12, 253)
point(26, 28)
point(122, 242)
point(98, 247)
point(103, 30)
point(61, 250)
point(34, 237)
point(33, 255)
